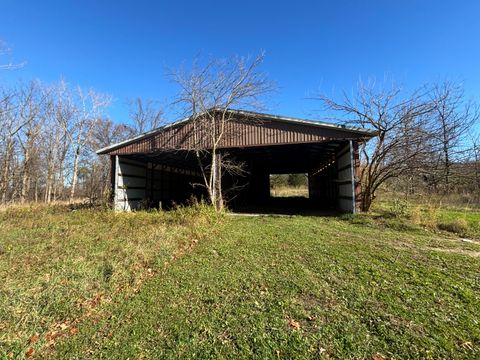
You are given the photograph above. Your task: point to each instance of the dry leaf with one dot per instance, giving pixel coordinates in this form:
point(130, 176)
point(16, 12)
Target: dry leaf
point(378, 357)
point(52, 335)
point(33, 339)
point(30, 352)
point(73, 331)
point(294, 324)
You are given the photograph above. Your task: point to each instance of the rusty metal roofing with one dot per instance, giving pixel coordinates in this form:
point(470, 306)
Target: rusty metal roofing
point(245, 129)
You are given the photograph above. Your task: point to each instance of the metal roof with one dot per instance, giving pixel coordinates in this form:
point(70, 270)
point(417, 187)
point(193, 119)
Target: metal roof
point(248, 114)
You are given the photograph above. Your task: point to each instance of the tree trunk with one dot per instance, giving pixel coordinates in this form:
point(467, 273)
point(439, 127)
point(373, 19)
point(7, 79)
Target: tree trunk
point(75, 173)
point(214, 185)
point(6, 169)
point(25, 175)
point(366, 199)
point(49, 182)
point(447, 172)
point(36, 190)
point(446, 155)
point(218, 183)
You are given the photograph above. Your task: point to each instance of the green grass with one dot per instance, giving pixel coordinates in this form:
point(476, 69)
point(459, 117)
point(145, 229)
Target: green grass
point(243, 287)
point(431, 212)
point(59, 267)
point(289, 191)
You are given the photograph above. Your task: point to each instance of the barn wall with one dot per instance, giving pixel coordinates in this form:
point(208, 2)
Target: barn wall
point(139, 185)
point(239, 132)
point(130, 184)
point(167, 185)
point(345, 179)
point(322, 188)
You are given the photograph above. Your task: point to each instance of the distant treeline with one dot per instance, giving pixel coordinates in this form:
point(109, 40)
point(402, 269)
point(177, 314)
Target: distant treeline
point(288, 180)
point(48, 138)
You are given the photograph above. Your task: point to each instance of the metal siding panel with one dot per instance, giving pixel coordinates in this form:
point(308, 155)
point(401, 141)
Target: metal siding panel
point(242, 132)
point(125, 198)
point(345, 173)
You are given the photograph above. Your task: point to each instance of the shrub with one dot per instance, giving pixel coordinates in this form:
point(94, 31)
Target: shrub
point(430, 216)
point(399, 208)
point(457, 226)
point(415, 215)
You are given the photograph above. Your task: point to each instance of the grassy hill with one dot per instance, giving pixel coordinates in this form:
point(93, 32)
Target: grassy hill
point(190, 283)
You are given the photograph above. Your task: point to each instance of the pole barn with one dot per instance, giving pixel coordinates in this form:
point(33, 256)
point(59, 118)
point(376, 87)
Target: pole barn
point(159, 168)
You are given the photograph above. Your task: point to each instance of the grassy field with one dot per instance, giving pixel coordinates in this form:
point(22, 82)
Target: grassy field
point(60, 267)
point(280, 191)
point(191, 284)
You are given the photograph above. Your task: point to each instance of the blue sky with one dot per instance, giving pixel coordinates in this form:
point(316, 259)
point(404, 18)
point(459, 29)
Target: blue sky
point(124, 47)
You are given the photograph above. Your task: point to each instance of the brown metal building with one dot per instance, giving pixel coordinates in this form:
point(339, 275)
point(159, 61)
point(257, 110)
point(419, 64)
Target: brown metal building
point(159, 168)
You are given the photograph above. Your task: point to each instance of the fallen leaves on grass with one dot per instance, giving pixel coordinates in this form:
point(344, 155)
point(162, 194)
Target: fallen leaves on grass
point(30, 352)
point(33, 339)
point(294, 324)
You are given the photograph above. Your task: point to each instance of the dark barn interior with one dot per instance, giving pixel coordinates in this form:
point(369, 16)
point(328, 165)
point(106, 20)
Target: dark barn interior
point(159, 168)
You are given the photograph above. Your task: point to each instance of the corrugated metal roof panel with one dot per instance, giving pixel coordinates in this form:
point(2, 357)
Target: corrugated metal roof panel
point(244, 129)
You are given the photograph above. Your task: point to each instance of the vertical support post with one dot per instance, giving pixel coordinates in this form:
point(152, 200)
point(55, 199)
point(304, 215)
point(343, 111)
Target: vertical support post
point(113, 169)
point(352, 167)
point(115, 182)
point(357, 177)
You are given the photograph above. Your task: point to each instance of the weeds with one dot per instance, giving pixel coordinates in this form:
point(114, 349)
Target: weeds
point(428, 214)
point(399, 208)
point(457, 226)
point(300, 287)
point(59, 263)
point(191, 282)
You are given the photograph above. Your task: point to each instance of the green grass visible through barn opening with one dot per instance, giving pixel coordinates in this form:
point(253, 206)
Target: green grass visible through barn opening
point(289, 185)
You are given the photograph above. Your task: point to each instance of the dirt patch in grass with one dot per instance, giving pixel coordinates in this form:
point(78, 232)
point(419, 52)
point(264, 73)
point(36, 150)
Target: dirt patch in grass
point(458, 251)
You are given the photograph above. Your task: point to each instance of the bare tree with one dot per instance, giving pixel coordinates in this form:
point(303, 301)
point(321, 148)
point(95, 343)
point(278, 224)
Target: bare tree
point(55, 140)
point(402, 127)
point(81, 110)
point(453, 117)
point(475, 156)
point(8, 129)
point(206, 93)
point(32, 101)
point(145, 115)
point(105, 133)
point(17, 111)
point(46, 134)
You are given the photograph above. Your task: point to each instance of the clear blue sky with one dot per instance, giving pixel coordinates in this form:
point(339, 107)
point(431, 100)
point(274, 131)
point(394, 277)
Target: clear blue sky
point(123, 47)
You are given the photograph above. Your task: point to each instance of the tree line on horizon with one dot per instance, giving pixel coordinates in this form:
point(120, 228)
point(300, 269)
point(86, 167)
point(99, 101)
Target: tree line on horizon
point(426, 139)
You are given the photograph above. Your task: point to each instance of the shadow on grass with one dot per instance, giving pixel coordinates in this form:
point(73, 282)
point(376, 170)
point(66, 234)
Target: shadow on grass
point(288, 206)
